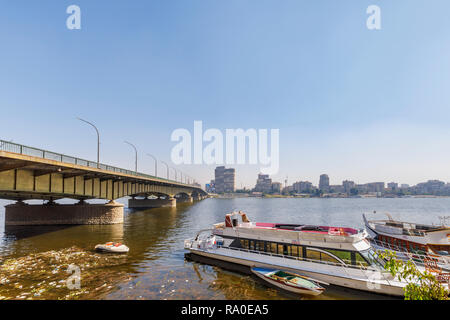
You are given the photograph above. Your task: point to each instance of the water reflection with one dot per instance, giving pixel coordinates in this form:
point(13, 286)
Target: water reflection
point(155, 267)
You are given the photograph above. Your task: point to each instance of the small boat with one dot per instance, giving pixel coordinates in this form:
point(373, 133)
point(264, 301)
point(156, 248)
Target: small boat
point(113, 247)
point(289, 281)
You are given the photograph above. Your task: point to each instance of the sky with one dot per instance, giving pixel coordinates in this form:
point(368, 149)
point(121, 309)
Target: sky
point(358, 104)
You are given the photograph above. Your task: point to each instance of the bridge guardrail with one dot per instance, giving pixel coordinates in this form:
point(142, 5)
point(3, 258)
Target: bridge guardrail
point(44, 154)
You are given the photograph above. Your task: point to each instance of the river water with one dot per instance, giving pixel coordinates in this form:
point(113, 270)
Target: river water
point(34, 260)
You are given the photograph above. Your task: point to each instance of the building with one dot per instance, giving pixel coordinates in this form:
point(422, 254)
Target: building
point(392, 185)
point(276, 187)
point(303, 187)
point(263, 184)
point(375, 187)
point(224, 180)
point(336, 189)
point(348, 185)
point(324, 183)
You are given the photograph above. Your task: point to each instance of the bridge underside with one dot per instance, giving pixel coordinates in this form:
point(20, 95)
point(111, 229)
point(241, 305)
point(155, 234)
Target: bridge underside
point(24, 177)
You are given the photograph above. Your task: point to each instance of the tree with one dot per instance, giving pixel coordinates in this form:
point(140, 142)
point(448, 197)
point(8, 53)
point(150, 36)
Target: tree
point(421, 285)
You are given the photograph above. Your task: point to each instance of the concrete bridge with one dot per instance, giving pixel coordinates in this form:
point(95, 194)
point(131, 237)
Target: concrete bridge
point(29, 173)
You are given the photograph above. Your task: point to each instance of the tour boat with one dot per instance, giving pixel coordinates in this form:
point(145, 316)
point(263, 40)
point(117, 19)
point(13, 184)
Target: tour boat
point(336, 255)
point(427, 240)
point(112, 247)
point(289, 281)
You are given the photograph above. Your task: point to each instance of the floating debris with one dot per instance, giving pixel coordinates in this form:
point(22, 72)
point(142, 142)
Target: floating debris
point(45, 275)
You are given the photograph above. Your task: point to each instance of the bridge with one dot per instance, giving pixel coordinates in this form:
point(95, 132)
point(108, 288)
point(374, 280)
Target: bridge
point(28, 173)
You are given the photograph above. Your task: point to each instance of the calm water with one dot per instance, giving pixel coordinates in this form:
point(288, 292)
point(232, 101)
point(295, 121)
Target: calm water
point(155, 267)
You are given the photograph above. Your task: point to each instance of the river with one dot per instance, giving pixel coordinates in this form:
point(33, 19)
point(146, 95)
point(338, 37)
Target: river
point(35, 259)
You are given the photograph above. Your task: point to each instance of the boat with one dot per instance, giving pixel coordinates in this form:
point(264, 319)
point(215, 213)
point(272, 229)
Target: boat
point(289, 281)
point(411, 239)
point(113, 247)
point(340, 256)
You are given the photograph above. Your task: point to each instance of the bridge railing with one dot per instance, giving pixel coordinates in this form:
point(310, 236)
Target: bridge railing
point(44, 154)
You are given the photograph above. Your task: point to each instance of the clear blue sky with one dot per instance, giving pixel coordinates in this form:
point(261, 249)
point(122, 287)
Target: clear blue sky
point(353, 103)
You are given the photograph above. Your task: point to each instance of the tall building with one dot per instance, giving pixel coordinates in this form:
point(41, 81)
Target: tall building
point(324, 182)
point(348, 185)
point(302, 186)
point(276, 187)
point(263, 183)
point(224, 180)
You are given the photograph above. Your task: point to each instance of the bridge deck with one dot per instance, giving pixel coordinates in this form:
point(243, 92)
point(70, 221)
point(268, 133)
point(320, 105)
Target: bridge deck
point(30, 173)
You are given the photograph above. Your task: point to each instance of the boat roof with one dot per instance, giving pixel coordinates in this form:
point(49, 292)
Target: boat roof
point(304, 228)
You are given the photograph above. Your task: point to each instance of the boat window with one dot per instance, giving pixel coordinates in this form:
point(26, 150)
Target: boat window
point(244, 244)
point(371, 256)
point(294, 251)
point(273, 247)
point(326, 257)
point(312, 254)
point(280, 249)
point(360, 260)
point(343, 255)
point(259, 245)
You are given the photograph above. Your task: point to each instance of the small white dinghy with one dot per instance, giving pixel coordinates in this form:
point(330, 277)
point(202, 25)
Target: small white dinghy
point(290, 281)
point(112, 247)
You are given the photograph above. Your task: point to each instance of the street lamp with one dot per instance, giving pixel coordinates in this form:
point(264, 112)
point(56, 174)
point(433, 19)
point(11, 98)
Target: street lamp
point(98, 140)
point(174, 170)
point(167, 169)
point(156, 164)
point(135, 150)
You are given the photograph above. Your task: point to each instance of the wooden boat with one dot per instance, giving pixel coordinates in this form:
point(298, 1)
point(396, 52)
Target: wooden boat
point(289, 281)
point(112, 247)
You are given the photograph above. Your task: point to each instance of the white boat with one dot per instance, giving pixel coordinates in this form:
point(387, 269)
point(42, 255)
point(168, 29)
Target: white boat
point(336, 255)
point(289, 281)
point(112, 247)
point(407, 238)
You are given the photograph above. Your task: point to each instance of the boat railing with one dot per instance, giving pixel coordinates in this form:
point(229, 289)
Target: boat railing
point(300, 258)
point(405, 254)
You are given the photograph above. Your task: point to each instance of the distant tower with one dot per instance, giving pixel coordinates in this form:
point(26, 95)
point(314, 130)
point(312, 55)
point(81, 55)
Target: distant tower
point(286, 182)
point(324, 182)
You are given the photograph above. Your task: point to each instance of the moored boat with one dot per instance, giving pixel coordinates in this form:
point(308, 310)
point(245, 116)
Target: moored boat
point(339, 256)
point(411, 239)
point(112, 247)
point(289, 281)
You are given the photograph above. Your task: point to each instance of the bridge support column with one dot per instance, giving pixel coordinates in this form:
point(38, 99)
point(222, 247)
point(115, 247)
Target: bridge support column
point(185, 200)
point(152, 203)
point(21, 214)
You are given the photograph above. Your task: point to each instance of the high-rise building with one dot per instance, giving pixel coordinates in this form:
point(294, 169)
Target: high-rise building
point(348, 185)
point(263, 183)
point(324, 182)
point(276, 187)
point(224, 180)
point(302, 186)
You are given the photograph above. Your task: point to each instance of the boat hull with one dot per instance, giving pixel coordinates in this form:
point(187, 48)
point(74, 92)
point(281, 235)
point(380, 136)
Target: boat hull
point(287, 287)
point(332, 275)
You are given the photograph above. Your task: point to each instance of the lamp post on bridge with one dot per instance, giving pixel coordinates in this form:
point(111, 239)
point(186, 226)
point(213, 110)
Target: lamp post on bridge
point(135, 150)
point(98, 140)
point(156, 164)
point(167, 169)
point(175, 170)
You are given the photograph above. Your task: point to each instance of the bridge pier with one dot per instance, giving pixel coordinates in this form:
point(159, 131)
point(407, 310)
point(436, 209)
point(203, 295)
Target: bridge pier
point(21, 214)
point(185, 200)
point(152, 203)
